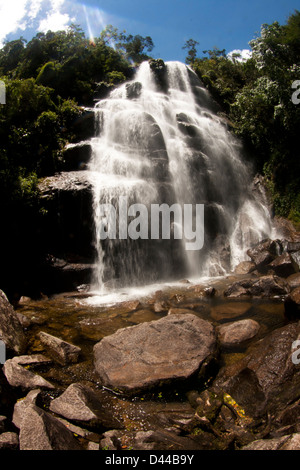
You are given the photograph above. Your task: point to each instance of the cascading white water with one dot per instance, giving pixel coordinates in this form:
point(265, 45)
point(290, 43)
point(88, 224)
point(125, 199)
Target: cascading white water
point(164, 143)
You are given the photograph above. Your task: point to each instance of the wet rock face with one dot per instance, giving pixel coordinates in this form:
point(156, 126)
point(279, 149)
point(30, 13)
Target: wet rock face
point(11, 331)
point(265, 286)
point(267, 378)
point(153, 353)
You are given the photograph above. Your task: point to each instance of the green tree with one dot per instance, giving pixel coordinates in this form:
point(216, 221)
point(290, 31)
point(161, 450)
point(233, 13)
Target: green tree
point(190, 45)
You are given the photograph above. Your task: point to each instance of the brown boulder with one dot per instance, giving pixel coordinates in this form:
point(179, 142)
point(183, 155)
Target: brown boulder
point(150, 354)
point(266, 379)
point(235, 333)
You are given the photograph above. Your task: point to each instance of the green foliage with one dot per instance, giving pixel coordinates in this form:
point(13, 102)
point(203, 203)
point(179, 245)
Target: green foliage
point(132, 48)
point(256, 93)
point(190, 45)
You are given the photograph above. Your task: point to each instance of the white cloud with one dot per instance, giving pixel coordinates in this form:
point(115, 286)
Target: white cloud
point(56, 19)
point(41, 15)
point(34, 8)
point(244, 54)
point(11, 16)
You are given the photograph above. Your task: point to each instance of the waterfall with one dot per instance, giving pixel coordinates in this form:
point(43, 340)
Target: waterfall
point(160, 140)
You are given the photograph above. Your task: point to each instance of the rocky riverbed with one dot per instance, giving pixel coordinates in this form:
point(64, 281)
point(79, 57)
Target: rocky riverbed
point(209, 365)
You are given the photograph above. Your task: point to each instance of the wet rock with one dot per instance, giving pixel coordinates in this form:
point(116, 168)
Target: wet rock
point(60, 350)
point(3, 423)
point(159, 70)
point(209, 405)
point(11, 331)
point(265, 286)
point(9, 441)
point(291, 247)
point(160, 306)
point(41, 431)
point(76, 156)
point(93, 446)
point(266, 378)
point(83, 127)
point(264, 253)
point(235, 333)
point(172, 348)
point(286, 229)
point(81, 404)
point(244, 267)
point(111, 440)
point(229, 310)
point(290, 442)
point(133, 90)
point(295, 259)
point(294, 280)
point(18, 376)
point(292, 304)
point(283, 265)
point(32, 360)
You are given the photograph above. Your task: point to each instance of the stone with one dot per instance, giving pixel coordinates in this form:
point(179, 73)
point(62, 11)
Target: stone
point(266, 379)
point(292, 246)
point(235, 333)
point(294, 280)
point(265, 252)
point(41, 431)
point(160, 306)
point(286, 229)
point(18, 376)
point(80, 404)
point(265, 286)
point(21, 406)
point(133, 90)
point(111, 440)
point(76, 156)
point(295, 259)
point(150, 354)
point(289, 442)
point(283, 265)
point(3, 423)
point(11, 331)
point(9, 441)
point(244, 267)
point(260, 254)
point(32, 360)
point(292, 303)
point(60, 350)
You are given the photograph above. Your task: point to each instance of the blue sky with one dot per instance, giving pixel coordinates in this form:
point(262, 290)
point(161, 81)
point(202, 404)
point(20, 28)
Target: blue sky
point(229, 24)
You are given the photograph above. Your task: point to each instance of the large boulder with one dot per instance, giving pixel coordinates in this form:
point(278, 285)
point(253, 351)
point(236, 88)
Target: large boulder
point(11, 331)
point(268, 377)
point(264, 286)
point(153, 353)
